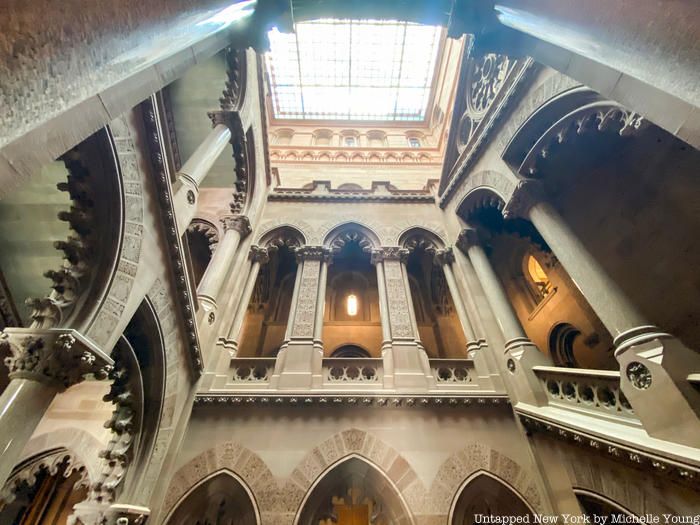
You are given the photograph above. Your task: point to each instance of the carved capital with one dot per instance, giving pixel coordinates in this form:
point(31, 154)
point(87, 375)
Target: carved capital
point(313, 253)
point(389, 253)
point(467, 238)
point(227, 118)
point(59, 357)
point(444, 256)
point(526, 195)
point(240, 223)
point(259, 255)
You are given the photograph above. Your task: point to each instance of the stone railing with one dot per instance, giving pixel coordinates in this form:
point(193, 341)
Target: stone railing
point(341, 371)
point(592, 391)
point(452, 373)
point(252, 370)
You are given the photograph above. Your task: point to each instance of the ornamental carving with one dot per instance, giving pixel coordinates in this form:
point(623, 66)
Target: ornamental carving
point(350, 237)
point(57, 463)
point(639, 375)
point(444, 256)
point(259, 255)
point(467, 238)
point(305, 312)
point(389, 253)
point(313, 253)
point(239, 223)
point(60, 358)
point(207, 230)
point(232, 95)
point(399, 319)
point(526, 195)
point(420, 243)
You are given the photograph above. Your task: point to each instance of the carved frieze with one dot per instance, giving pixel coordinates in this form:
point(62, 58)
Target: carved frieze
point(305, 312)
point(399, 311)
point(313, 253)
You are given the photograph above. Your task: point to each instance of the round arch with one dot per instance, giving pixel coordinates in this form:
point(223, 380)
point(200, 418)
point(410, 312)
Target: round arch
point(342, 233)
point(350, 350)
point(222, 494)
point(359, 483)
point(282, 235)
point(493, 493)
point(418, 232)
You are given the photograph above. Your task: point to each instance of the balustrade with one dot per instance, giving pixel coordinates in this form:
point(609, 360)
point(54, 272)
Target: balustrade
point(339, 370)
point(595, 391)
point(252, 370)
point(452, 372)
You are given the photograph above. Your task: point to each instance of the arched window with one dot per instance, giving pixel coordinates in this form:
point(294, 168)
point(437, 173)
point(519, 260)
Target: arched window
point(283, 137)
point(376, 139)
point(537, 279)
point(486, 495)
point(322, 137)
point(561, 344)
point(350, 351)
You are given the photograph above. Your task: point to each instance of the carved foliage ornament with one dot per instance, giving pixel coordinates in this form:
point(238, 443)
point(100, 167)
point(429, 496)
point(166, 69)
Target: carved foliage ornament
point(240, 223)
point(57, 463)
point(60, 358)
point(208, 231)
point(390, 253)
point(351, 237)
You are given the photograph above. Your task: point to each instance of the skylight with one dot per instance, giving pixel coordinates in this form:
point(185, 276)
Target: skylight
point(352, 70)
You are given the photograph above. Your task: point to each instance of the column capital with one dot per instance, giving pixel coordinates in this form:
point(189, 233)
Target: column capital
point(313, 253)
point(389, 253)
point(259, 255)
point(527, 193)
point(230, 119)
point(445, 256)
point(467, 238)
point(240, 223)
point(58, 357)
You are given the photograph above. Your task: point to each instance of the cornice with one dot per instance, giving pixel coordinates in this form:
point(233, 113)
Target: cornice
point(167, 211)
point(381, 191)
point(303, 195)
point(641, 459)
point(522, 71)
point(345, 400)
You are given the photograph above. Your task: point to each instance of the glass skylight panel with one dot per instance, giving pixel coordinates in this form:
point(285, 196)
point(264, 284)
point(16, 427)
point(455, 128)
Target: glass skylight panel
point(352, 70)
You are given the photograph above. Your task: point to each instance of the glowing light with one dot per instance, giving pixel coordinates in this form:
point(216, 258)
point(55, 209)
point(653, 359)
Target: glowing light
point(352, 304)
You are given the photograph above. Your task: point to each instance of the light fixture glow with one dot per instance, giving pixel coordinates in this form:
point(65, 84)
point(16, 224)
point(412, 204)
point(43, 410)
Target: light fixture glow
point(352, 304)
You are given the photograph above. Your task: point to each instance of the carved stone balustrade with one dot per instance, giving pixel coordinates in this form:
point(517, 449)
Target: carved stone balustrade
point(453, 373)
point(589, 391)
point(252, 371)
point(353, 372)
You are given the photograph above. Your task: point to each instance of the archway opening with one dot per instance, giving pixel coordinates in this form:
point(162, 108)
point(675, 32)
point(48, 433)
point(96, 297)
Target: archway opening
point(353, 492)
point(221, 499)
point(351, 316)
point(486, 495)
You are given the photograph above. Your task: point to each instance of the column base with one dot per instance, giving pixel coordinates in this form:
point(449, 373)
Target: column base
point(654, 369)
point(409, 366)
point(521, 355)
point(299, 366)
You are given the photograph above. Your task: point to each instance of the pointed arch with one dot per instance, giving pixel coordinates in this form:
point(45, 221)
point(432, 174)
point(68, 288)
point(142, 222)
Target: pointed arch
point(354, 485)
point(283, 235)
point(220, 496)
point(419, 235)
point(484, 493)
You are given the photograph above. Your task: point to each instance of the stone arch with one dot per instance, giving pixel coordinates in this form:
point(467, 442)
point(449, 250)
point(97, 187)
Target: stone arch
point(248, 468)
point(234, 487)
point(334, 237)
point(413, 236)
point(589, 498)
point(82, 445)
point(456, 470)
point(500, 490)
point(487, 184)
point(285, 235)
point(356, 443)
point(394, 508)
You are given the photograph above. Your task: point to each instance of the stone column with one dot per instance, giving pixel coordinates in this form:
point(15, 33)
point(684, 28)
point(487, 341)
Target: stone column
point(520, 354)
point(300, 362)
point(42, 363)
point(195, 170)
point(445, 257)
point(258, 256)
point(654, 366)
point(405, 357)
point(235, 228)
point(388, 362)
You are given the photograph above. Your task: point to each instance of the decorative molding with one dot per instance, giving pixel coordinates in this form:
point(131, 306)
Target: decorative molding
point(168, 217)
point(240, 223)
point(321, 191)
point(390, 253)
point(355, 155)
point(233, 95)
point(527, 193)
point(60, 358)
point(676, 471)
point(313, 253)
point(57, 462)
point(364, 400)
point(207, 230)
